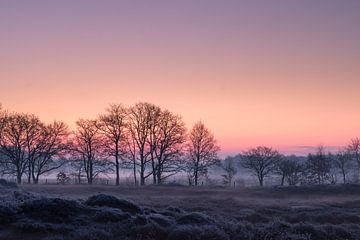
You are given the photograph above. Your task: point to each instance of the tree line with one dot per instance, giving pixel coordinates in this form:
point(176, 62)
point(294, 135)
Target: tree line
point(151, 141)
point(154, 144)
point(317, 168)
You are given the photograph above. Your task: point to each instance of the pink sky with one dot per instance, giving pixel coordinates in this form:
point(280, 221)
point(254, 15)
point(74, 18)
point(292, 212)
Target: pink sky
point(278, 73)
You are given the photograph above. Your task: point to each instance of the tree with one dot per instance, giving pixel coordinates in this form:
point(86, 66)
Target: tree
point(62, 178)
point(88, 147)
point(14, 144)
point(154, 116)
point(52, 148)
point(354, 150)
point(289, 170)
point(29, 146)
point(112, 125)
point(261, 161)
point(318, 166)
point(229, 166)
point(343, 161)
point(141, 121)
point(168, 145)
point(202, 151)
point(34, 129)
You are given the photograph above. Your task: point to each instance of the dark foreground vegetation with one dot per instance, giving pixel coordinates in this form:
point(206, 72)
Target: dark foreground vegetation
point(93, 212)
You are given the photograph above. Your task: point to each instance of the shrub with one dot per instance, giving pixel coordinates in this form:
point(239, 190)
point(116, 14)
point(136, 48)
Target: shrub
point(110, 215)
point(195, 218)
point(162, 220)
point(149, 231)
point(7, 215)
point(62, 178)
point(51, 209)
point(27, 226)
point(5, 183)
point(256, 218)
point(314, 232)
point(191, 232)
point(113, 202)
point(90, 233)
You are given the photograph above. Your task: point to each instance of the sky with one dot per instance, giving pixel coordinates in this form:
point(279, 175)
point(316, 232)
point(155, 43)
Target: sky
point(284, 73)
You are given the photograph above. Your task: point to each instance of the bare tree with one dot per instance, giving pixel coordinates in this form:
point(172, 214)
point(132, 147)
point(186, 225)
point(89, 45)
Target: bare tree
point(53, 146)
point(261, 161)
point(168, 145)
point(354, 150)
point(34, 129)
point(289, 170)
point(112, 125)
point(88, 147)
point(140, 124)
point(229, 166)
point(202, 151)
point(343, 161)
point(131, 154)
point(154, 115)
point(318, 166)
point(14, 144)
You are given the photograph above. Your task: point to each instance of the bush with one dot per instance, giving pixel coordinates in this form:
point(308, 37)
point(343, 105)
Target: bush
point(191, 232)
point(7, 215)
point(90, 233)
point(113, 202)
point(195, 218)
point(27, 226)
point(5, 183)
point(110, 215)
point(149, 231)
point(62, 178)
point(256, 218)
point(51, 209)
point(162, 220)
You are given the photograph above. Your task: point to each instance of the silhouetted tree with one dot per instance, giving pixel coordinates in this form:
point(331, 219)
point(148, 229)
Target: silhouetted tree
point(343, 162)
point(140, 124)
point(354, 150)
point(289, 170)
point(33, 134)
point(154, 115)
point(131, 154)
point(14, 143)
point(318, 166)
point(112, 125)
point(51, 151)
point(88, 147)
point(168, 143)
point(229, 166)
point(202, 151)
point(261, 161)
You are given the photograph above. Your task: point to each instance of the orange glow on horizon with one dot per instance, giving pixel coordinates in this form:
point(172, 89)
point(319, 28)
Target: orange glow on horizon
point(283, 74)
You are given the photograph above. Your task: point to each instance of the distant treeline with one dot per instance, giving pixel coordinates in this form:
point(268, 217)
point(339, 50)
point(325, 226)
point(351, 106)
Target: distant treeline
point(154, 144)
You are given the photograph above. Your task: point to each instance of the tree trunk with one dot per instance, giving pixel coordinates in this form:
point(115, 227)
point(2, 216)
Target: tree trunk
point(29, 174)
point(117, 164)
point(135, 180)
point(153, 169)
point(282, 180)
point(142, 172)
point(196, 177)
point(18, 178)
point(261, 181)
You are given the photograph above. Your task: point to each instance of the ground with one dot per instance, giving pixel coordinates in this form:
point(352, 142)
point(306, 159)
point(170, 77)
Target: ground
point(178, 212)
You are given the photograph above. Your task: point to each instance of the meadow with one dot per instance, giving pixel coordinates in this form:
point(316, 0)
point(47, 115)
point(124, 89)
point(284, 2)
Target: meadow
point(55, 212)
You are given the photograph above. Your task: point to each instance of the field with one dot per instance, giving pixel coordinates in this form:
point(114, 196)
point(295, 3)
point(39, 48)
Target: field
point(176, 212)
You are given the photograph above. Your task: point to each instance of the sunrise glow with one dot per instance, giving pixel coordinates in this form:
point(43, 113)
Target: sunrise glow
point(278, 73)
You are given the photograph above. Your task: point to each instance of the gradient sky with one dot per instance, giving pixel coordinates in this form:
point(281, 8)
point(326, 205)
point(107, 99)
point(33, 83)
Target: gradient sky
point(278, 73)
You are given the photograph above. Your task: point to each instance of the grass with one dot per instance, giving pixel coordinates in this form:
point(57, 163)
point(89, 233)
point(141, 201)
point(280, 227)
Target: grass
point(163, 212)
